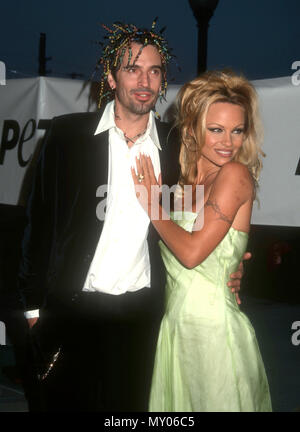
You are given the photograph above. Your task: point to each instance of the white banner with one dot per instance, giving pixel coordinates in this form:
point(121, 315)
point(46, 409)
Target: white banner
point(25, 103)
point(279, 192)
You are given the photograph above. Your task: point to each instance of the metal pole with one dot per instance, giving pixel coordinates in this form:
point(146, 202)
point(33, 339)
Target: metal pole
point(42, 55)
point(203, 11)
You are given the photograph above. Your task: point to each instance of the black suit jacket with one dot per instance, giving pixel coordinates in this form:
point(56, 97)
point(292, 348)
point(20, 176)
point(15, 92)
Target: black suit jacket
point(63, 230)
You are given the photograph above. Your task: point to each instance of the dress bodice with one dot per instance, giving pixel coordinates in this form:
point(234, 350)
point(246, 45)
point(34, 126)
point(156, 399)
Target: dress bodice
point(214, 272)
point(229, 251)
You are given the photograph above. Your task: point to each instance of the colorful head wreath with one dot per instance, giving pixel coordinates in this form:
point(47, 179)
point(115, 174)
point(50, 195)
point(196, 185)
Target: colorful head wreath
point(120, 38)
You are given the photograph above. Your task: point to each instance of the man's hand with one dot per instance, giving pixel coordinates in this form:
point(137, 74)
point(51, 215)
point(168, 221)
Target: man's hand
point(235, 278)
point(32, 321)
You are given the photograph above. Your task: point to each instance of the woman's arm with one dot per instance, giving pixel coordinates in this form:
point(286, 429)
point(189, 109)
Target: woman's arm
point(232, 188)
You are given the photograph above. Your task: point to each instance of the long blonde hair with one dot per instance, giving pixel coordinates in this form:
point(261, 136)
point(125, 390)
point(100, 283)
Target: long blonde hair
point(193, 102)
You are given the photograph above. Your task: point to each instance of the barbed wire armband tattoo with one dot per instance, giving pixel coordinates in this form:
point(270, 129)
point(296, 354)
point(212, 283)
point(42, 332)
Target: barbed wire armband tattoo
point(216, 208)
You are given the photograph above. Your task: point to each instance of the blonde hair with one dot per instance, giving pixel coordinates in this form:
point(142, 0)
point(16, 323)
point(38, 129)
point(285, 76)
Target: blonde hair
point(193, 102)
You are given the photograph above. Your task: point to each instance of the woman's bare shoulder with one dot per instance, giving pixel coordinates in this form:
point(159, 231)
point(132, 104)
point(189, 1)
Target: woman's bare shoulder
point(235, 171)
point(235, 178)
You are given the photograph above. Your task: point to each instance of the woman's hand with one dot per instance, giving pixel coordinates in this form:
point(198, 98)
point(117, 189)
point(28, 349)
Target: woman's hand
point(146, 186)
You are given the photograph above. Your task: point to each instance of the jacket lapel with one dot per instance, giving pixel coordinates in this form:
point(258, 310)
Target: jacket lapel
point(94, 179)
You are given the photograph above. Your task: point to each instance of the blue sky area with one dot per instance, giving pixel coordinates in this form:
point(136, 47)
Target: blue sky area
point(260, 38)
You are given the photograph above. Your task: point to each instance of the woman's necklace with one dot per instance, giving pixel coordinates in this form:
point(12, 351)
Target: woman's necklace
point(209, 174)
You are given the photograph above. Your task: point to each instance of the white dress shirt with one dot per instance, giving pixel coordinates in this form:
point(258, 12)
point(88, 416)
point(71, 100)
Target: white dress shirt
point(121, 261)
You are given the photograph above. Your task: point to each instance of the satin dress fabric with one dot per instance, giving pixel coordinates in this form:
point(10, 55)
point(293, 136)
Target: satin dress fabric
point(207, 356)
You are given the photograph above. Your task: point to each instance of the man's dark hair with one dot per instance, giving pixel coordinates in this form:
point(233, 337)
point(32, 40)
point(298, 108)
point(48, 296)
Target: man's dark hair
point(120, 38)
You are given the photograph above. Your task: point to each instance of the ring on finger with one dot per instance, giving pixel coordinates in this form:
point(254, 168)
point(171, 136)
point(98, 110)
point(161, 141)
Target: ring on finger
point(140, 178)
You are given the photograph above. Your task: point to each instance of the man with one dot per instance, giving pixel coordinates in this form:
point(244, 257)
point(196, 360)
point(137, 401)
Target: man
point(96, 275)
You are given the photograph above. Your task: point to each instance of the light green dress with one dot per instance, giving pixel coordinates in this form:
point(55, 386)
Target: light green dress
point(207, 356)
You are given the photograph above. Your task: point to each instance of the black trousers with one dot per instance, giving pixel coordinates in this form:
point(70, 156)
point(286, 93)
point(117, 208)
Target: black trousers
point(107, 352)
point(18, 333)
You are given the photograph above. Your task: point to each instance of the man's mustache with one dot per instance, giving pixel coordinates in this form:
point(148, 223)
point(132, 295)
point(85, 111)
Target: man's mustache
point(142, 89)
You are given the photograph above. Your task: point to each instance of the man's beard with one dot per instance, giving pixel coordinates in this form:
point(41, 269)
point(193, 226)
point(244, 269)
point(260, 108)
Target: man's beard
point(141, 107)
point(138, 108)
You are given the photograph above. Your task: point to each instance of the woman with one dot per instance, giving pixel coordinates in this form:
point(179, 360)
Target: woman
point(207, 356)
